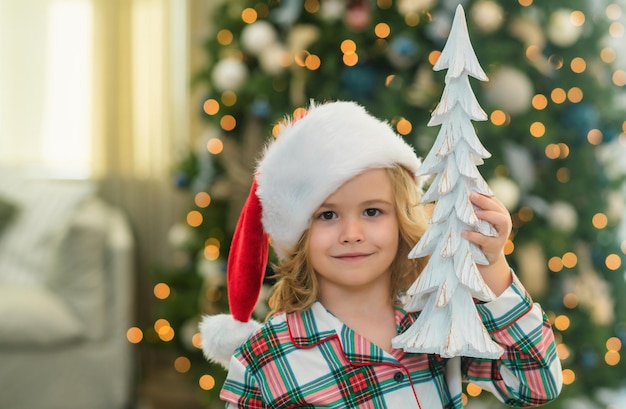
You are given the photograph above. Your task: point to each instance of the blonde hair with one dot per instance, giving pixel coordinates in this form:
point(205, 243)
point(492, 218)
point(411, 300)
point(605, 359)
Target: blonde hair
point(296, 288)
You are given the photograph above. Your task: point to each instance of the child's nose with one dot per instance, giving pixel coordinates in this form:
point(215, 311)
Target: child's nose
point(351, 231)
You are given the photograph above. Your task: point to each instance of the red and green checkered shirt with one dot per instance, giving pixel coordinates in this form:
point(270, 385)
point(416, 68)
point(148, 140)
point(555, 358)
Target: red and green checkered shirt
point(311, 359)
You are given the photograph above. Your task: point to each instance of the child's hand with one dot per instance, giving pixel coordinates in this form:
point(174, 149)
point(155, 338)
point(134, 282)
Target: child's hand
point(497, 274)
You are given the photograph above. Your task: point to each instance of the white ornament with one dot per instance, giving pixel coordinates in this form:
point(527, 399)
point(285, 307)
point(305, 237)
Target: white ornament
point(332, 10)
point(561, 30)
point(180, 235)
point(449, 324)
point(529, 31)
point(488, 15)
point(563, 216)
point(510, 90)
point(506, 191)
point(414, 6)
point(300, 37)
point(258, 36)
point(274, 59)
point(212, 271)
point(229, 74)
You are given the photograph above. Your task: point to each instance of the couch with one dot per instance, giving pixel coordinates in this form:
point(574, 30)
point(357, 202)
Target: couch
point(66, 288)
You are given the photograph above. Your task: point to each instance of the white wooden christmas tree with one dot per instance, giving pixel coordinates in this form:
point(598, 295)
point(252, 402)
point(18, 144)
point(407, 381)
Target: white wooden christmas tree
point(449, 324)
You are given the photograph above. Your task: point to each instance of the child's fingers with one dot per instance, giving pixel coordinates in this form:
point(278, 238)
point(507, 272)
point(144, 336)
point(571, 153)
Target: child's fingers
point(494, 212)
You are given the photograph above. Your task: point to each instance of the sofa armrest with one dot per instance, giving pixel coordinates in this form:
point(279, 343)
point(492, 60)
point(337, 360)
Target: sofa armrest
point(92, 271)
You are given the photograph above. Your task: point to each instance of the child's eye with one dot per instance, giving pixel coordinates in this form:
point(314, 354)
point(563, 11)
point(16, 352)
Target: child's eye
point(327, 215)
point(371, 212)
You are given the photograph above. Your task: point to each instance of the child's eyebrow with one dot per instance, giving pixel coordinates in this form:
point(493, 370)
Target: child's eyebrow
point(371, 202)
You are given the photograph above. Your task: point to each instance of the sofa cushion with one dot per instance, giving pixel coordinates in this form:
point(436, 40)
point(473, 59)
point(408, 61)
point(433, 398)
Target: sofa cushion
point(8, 209)
point(79, 268)
point(29, 242)
point(35, 317)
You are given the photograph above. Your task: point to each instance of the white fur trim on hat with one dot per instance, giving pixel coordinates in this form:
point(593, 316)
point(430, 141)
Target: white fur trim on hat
point(222, 335)
point(314, 156)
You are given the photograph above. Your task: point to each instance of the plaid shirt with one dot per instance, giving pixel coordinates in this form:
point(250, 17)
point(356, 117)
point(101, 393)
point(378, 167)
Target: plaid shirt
point(311, 359)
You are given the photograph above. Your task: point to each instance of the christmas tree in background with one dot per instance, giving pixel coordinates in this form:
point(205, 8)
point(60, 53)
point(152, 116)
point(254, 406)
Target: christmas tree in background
point(552, 116)
point(449, 324)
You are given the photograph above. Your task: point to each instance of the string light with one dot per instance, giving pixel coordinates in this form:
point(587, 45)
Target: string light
point(569, 259)
point(473, 390)
point(403, 126)
point(161, 291)
point(207, 382)
point(568, 376)
point(229, 98)
point(249, 15)
point(215, 146)
point(194, 218)
point(577, 18)
point(499, 117)
point(613, 11)
point(555, 264)
point(134, 335)
point(539, 102)
point(575, 95)
point(228, 122)
point(613, 262)
point(312, 62)
point(619, 78)
point(412, 19)
point(382, 30)
point(211, 106)
point(202, 199)
point(224, 37)
point(599, 220)
point(562, 322)
point(182, 364)
point(608, 55)
point(537, 129)
point(578, 65)
point(312, 6)
point(563, 175)
point(433, 57)
point(570, 300)
point(558, 95)
point(594, 137)
point(562, 351)
point(616, 30)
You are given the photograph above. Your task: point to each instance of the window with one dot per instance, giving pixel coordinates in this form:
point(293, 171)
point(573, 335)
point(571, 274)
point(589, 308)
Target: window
point(46, 86)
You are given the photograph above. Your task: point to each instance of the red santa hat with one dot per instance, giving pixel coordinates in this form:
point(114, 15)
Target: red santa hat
point(311, 157)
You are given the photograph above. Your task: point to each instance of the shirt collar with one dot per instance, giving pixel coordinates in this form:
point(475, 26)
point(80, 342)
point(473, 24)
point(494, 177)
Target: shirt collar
point(315, 325)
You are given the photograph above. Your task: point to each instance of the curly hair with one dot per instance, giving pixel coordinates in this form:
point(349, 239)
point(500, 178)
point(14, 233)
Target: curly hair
point(297, 287)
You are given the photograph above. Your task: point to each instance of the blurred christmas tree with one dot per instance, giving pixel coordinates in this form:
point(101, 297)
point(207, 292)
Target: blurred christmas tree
point(552, 106)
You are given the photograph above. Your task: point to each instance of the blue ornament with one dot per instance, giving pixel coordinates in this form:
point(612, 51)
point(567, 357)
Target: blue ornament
point(359, 80)
point(581, 118)
point(261, 108)
point(402, 52)
point(181, 179)
point(589, 359)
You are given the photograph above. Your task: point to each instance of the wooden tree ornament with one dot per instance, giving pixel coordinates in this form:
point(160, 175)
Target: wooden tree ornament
point(449, 324)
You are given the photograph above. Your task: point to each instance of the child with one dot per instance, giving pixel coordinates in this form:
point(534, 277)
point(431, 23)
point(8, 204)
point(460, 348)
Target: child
point(337, 196)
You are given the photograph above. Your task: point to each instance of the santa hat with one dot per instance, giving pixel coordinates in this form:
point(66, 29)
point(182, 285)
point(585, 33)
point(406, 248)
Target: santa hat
point(311, 157)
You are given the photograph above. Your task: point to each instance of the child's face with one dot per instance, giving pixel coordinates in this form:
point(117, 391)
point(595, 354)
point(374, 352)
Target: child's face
point(353, 238)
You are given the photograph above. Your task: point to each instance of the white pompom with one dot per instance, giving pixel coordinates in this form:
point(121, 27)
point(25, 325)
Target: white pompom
point(221, 336)
point(258, 37)
point(229, 74)
point(508, 82)
point(561, 30)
